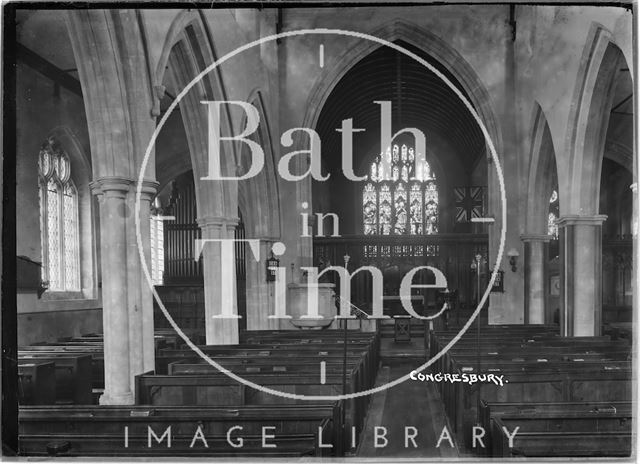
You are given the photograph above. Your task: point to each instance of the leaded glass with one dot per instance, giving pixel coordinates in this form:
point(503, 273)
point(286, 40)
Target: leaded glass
point(554, 212)
point(400, 208)
point(405, 173)
point(552, 226)
point(70, 227)
point(396, 173)
point(369, 209)
point(59, 219)
point(63, 169)
point(411, 210)
point(384, 216)
point(415, 209)
point(53, 235)
point(374, 172)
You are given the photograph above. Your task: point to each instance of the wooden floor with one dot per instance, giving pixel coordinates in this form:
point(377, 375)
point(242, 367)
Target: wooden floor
point(411, 403)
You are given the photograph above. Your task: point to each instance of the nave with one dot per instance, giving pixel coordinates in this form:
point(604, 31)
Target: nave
point(114, 236)
point(564, 397)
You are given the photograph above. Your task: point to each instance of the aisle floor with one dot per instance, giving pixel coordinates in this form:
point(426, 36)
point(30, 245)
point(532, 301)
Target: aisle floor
point(411, 403)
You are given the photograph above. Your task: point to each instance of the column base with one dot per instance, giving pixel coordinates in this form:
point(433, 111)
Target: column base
point(107, 399)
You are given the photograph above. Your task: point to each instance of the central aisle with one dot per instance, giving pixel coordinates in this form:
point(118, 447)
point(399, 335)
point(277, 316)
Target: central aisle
point(411, 403)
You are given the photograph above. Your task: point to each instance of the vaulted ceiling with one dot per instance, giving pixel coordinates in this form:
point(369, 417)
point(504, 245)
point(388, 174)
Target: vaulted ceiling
point(419, 99)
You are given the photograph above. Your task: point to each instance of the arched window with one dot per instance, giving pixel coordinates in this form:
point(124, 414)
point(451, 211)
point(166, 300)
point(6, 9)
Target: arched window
point(58, 219)
point(554, 212)
point(156, 228)
point(401, 195)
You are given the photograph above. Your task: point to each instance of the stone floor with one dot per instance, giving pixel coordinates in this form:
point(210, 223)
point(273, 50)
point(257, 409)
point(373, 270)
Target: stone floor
point(409, 404)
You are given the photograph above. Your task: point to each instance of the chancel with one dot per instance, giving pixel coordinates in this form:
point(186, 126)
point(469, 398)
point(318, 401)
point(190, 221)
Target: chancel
point(370, 231)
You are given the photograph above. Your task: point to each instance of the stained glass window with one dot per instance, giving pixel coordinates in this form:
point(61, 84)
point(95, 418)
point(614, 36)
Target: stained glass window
point(554, 212)
point(401, 195)
point(58, 219)
point(157, 244)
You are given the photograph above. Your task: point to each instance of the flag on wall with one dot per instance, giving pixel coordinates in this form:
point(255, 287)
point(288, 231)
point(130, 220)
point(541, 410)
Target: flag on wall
point(469, 203)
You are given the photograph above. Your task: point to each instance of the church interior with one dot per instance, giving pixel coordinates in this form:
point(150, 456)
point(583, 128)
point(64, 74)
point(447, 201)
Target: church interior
point(509, 170)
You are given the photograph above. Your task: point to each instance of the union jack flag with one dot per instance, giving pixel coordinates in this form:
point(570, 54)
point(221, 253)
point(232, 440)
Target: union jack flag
point(469, 203)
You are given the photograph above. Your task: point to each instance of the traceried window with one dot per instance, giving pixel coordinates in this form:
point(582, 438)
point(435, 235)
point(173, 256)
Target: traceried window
point(157, 244)
point(401, 195)
point(554, 211)
point(58, 219)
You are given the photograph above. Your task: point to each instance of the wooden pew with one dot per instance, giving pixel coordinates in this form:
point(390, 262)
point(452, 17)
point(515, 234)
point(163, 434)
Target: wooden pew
point(543, 384)
point(489, 411)
point(276, 362)
point(36, 382)
point(100, 430)
point(558, 434)
point(540, 367)
point(96, 353)
point(219, 389)
point(313, 352)
point(72, 375)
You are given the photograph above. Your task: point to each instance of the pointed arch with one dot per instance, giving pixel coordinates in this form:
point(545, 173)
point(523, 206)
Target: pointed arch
point(428, 42)
point(188, 49)
point(589, 119)
point(542, 170)
point(260, 195)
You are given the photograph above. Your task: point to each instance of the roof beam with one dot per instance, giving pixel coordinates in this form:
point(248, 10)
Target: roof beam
point(48, 69)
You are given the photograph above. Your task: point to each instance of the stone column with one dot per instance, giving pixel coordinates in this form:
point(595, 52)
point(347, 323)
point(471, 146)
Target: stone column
point(229, 266)
point(112, 193)
point(536, 276)
point(260, 293)
point(580, 275)
point(218, 330)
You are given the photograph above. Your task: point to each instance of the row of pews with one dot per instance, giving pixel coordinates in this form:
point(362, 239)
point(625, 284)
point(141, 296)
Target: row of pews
point(71, 370)
point(187, 407)
point(568, 397)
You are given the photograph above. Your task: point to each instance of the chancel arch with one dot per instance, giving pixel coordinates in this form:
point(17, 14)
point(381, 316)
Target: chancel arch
point(404, 217)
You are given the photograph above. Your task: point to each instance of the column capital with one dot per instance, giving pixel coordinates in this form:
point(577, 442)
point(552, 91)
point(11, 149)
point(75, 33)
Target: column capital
point(206, 222)
point(112, 186)
point(148, 189)
point(122, 184)
point(634, 187)
point(574, 220)
point(217, 222)
point(232, 222)
point(535, 238)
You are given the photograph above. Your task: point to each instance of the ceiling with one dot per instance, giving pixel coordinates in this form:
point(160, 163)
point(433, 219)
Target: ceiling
point(45, 33)
point(419, 99)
